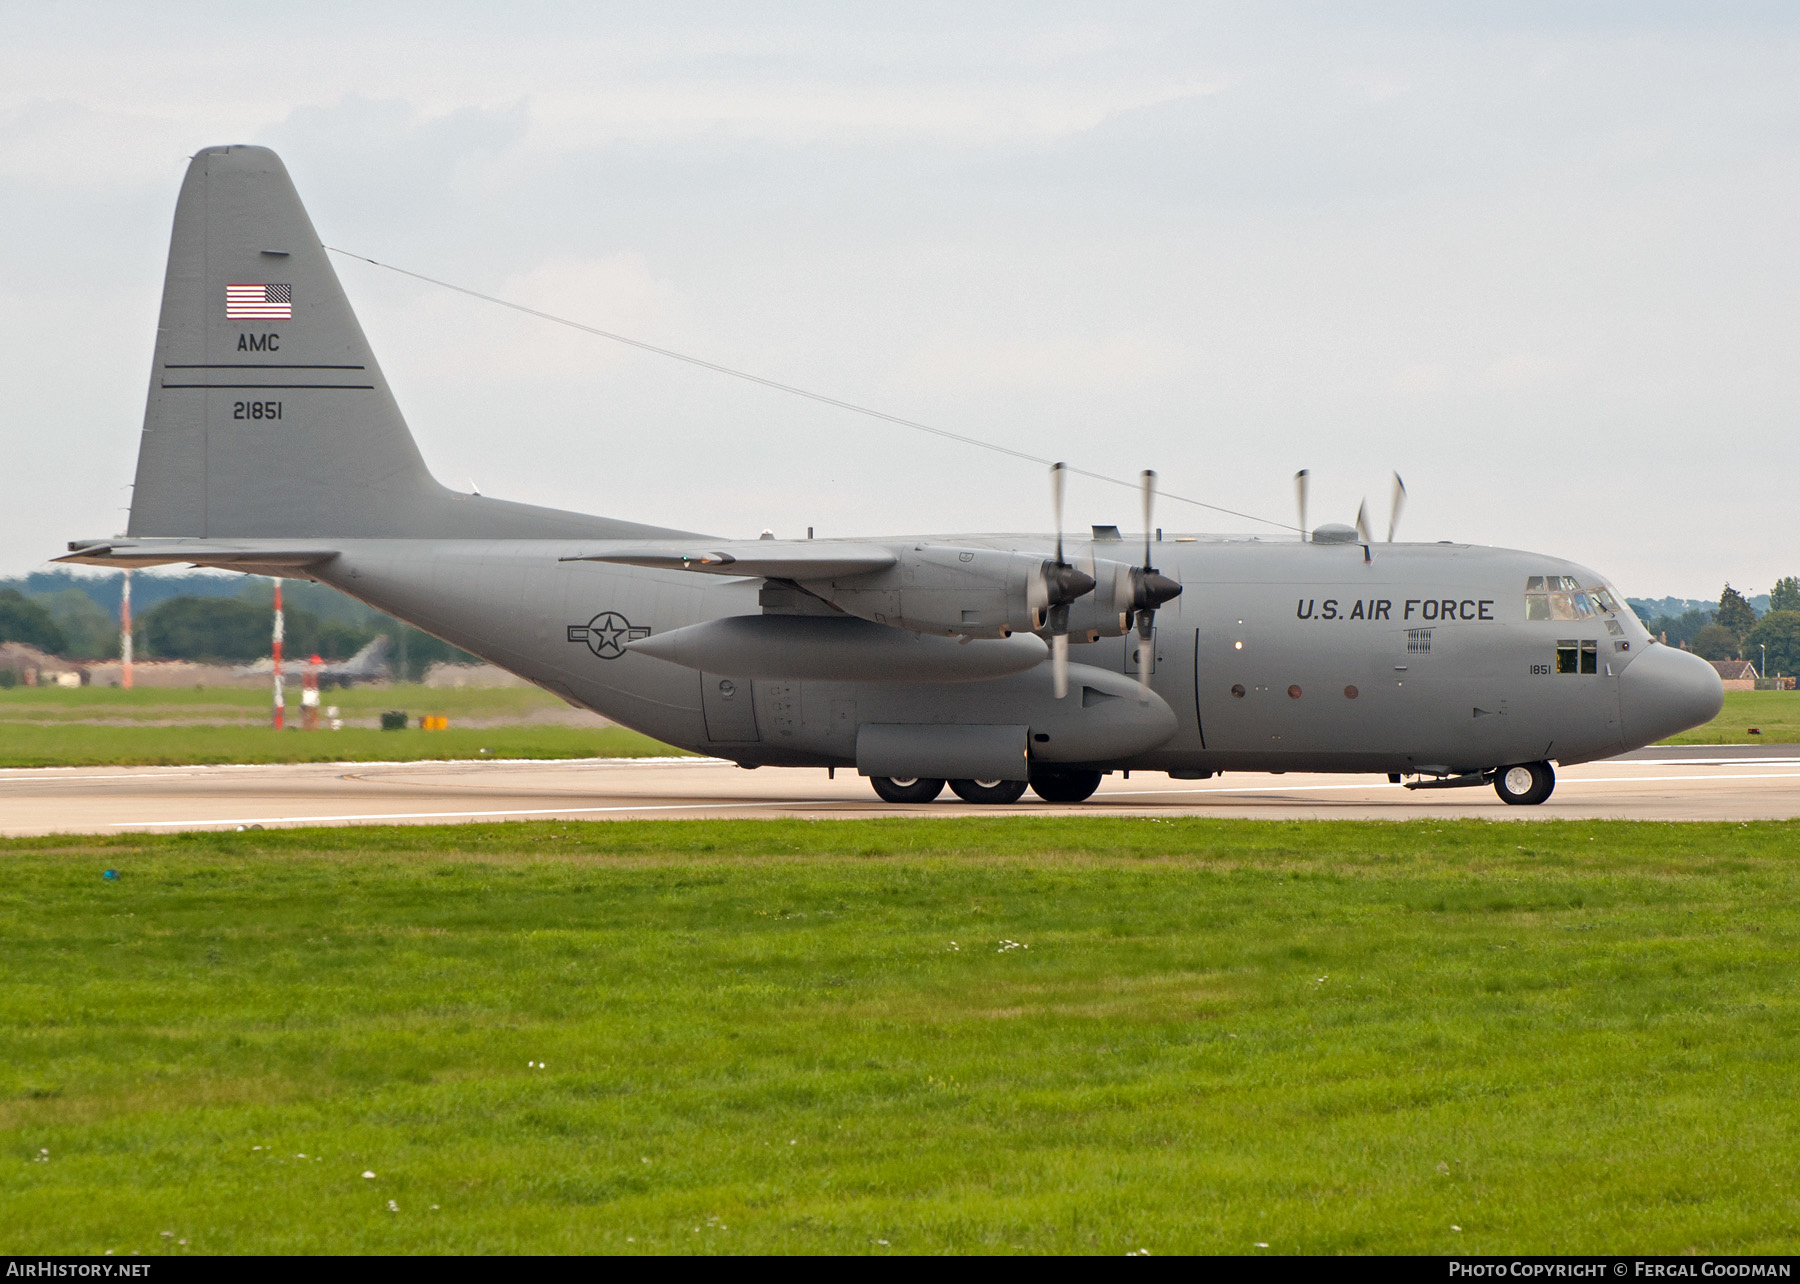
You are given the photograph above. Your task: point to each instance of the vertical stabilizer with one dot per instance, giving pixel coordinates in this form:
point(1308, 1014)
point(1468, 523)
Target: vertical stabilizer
point(268, 415)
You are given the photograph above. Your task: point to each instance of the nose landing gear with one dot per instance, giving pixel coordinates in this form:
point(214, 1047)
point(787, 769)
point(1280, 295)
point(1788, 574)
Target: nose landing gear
point(1525, 785)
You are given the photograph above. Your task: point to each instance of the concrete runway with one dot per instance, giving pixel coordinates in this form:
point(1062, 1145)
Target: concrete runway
point(1701, 783)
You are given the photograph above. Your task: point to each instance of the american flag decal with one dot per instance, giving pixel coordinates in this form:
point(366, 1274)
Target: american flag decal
point(259, 302)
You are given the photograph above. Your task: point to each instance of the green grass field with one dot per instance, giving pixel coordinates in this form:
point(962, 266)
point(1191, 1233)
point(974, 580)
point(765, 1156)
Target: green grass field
point(791, 1036)
point(251, 705)
point(1775, 714)
point(149, 726)
point(181, 746)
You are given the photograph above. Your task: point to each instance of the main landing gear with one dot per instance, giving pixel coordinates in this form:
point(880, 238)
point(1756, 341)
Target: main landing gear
point(1052, 784)
point(1526, 785)
point(909, 789)
point(999, 792)
point(1064, 784)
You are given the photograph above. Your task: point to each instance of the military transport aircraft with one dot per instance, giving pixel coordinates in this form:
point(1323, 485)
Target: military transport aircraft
point(272, 445)
point(370, 664)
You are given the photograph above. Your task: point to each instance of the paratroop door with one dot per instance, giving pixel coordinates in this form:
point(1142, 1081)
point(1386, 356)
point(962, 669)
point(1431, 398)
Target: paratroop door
point(730, 713)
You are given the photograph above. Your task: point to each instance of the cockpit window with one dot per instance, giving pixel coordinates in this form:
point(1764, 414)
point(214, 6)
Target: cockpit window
point(1561, 597)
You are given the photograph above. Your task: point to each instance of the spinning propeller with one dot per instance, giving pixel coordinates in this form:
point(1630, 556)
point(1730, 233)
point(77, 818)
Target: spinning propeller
point(1058, 585)
point(1362, 514)
point(1364, 533)
point(1150, 588)
point(1062, 584)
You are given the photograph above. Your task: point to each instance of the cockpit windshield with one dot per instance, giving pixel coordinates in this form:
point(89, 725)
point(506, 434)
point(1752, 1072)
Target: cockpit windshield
point(1562, 597)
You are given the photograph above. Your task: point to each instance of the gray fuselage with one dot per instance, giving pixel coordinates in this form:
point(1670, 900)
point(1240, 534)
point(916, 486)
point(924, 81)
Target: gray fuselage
point(1276, 656)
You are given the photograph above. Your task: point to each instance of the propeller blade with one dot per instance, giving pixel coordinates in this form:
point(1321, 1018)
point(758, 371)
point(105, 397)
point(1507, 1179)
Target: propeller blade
point(1301, 481)
point(1146, 628)
point(1059, 647)
point(1151, 588)
point(1362, 522)
point(1037, 595)
point(1058, 478)
point(1149, 506)
point(1399, 503)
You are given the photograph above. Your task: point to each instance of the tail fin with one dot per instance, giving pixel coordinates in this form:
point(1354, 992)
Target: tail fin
point(268, 414)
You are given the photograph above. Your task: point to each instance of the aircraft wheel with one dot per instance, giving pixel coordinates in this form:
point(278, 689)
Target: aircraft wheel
point(989, 791)
point(1526, 785)
point(913, 789)
point(1064, 784)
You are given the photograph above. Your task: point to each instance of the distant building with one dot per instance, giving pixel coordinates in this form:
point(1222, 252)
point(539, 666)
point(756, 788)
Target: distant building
point(1737, 675)
point(30, 667)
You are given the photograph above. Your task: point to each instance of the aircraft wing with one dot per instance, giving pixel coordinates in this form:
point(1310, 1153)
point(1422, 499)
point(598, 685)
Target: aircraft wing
point(199, 552)
point(797, 559)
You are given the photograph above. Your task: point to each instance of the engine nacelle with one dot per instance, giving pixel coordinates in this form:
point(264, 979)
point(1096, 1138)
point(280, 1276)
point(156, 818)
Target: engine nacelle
point(1106, 612)
point(987, 593)
point(943, 589)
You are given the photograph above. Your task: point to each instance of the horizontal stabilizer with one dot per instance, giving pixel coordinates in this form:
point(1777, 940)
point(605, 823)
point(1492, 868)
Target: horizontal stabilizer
point(233, 555)
point(769, 558)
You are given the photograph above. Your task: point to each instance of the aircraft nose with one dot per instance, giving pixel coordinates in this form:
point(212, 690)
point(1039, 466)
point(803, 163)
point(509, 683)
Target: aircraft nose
point(1665, 690)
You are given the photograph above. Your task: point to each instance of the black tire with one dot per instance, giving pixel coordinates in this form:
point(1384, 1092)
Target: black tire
point(1064, 784)
point(918, 790)
point(999, 792)
point(1524, 785)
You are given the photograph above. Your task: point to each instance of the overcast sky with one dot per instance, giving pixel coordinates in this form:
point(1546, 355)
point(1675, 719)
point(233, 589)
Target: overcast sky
point(1544, 259)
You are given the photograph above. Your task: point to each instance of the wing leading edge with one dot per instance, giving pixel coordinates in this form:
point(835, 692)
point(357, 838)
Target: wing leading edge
point(768, 558)
point(245, 555)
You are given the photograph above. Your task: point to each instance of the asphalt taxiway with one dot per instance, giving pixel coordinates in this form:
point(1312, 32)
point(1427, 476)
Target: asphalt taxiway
point(1733, 782)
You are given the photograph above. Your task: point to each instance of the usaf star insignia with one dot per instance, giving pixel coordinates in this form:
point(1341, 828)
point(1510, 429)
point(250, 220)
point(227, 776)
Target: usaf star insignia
point(606, 634)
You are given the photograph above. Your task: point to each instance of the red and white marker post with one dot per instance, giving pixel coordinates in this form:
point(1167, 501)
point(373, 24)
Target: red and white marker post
point(280, 629)
point(125, 632)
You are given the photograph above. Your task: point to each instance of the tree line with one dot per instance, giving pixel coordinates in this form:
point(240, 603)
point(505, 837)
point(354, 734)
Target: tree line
point(1734, 631)
point(211, 629)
